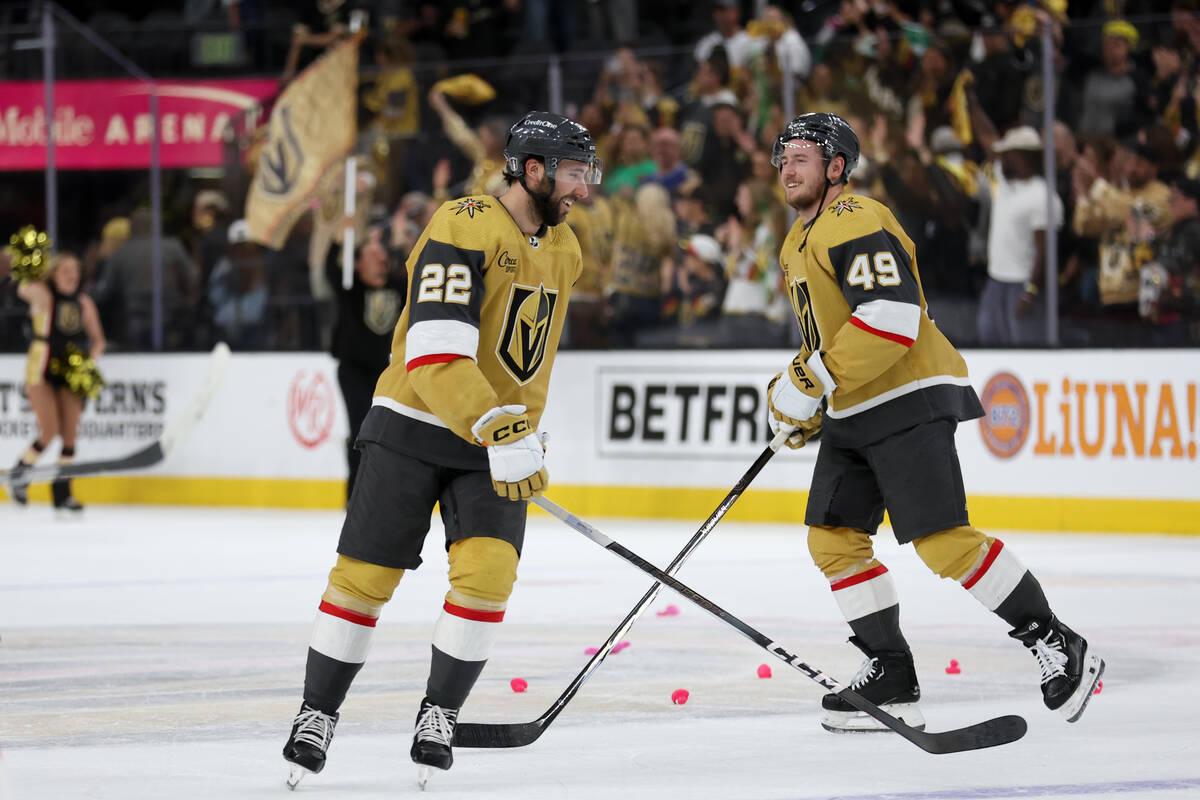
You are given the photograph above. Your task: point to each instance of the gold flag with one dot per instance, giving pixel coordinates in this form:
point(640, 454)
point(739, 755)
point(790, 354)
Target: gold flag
point(312, 127)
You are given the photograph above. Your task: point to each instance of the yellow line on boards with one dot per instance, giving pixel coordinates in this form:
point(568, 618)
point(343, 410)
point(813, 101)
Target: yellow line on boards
point(1123, 515)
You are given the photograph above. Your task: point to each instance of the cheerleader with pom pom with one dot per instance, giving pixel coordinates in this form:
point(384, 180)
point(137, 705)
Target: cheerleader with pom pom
point(61, 371)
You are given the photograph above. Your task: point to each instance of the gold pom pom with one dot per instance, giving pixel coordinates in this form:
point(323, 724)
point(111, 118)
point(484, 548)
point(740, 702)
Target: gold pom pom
point(29, 250)
point(79, 371)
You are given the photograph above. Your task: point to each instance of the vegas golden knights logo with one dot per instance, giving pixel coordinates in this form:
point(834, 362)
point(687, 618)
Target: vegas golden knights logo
point(68, 317)
point(522, 347)
point(381, 309)
point(810, 335)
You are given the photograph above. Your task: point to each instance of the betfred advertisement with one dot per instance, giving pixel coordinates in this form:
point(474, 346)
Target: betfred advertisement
point(106, 124)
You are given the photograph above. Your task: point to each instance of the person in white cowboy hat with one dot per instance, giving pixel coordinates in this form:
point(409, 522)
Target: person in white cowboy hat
point(1012, 307)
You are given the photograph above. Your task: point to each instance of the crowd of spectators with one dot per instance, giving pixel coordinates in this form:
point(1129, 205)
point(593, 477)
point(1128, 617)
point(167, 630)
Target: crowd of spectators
point(681, 241)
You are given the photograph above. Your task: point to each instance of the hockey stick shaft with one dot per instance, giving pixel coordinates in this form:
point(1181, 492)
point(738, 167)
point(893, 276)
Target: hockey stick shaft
point(146, 456)
point(989, 733)
point(468, 734)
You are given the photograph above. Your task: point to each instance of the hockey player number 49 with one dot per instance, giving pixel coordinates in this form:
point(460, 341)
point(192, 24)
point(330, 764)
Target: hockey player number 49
point(884, 273)
point(445, 284)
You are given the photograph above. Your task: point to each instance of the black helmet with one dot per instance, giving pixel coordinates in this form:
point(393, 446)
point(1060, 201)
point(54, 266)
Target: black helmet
point(831, 132)
point(552, 137)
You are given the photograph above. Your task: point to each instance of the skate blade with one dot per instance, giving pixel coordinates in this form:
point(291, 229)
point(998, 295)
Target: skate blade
point(1093, 668)
point(424, 773)
point(295, 775)
point(858, 722)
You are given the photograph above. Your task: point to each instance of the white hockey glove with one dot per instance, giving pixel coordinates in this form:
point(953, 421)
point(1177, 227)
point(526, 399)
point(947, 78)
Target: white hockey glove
point(515, 452)
point(800, 433)
point(797, 401)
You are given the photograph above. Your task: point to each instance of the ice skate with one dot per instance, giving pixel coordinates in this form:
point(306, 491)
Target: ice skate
point(889, 680)
point(1070, 671)
point(312, 731)
point(65, 504)
point(431, 740)
point(19, 494)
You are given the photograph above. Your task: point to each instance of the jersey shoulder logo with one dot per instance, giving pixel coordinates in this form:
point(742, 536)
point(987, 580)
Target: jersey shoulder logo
point(471, 206)
point(849, 206)
point(527, 322)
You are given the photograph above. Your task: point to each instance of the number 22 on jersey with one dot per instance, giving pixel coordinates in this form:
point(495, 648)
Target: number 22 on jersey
point(445, 284)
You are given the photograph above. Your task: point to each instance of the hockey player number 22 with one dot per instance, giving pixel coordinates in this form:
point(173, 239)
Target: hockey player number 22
point(445, 284)
point(884, 272)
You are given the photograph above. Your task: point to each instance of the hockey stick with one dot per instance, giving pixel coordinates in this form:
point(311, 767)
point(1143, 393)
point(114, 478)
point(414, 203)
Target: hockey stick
point(147, 456)
point(989, 733)
point(519, 734)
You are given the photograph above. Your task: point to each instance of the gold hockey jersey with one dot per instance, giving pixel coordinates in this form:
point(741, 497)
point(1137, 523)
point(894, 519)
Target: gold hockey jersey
point(854, 286)
point(486, 305)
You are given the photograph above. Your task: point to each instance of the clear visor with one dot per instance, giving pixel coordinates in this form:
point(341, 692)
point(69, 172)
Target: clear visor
point(569, 171)
point(780, 148)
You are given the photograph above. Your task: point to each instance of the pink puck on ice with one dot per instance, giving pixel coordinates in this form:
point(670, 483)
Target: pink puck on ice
point(669, 611)
point(1099, 686)
point(519, 685)
point(764, 670)
point(679, 696)
point(953, 668)
point(591, 651)
point(619, 646)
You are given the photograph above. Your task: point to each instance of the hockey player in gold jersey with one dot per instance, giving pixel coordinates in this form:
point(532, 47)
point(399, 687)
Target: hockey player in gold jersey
point(886, 390)
point(454, 422)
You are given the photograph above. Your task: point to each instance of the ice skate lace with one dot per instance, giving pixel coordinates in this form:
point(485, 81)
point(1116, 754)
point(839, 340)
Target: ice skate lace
point(1052, 661)
point(436, 725)
point(314, 728)
point(865, 673)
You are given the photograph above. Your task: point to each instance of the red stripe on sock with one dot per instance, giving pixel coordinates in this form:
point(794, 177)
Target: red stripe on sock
point(436, 358)
point(874, 572)
point(993, 551)
point(473, 614)
point(347, 614)
point(894, 337)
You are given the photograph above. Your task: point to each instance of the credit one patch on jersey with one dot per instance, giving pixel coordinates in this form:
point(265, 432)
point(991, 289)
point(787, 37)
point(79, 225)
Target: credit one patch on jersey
point(522, 346)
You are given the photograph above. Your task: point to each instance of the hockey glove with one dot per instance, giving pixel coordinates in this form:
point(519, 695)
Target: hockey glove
point(515, 452)
point(795, 401)
point(800, 433)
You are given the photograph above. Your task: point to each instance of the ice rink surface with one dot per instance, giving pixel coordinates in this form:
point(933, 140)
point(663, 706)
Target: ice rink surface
point(158, 653)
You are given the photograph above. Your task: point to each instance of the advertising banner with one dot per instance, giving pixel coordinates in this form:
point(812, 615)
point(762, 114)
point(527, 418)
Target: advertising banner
point(106, 124)
point(1070, 440)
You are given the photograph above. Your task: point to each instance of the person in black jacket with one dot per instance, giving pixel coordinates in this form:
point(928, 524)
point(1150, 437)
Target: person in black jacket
point(362, 329)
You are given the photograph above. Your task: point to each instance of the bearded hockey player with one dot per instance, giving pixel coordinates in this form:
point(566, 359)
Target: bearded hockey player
point(454, 423)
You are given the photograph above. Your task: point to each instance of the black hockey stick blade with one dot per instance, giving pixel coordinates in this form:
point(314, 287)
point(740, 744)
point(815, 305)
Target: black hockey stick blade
point(989, 733)
point(520, 734)
point(146, 456)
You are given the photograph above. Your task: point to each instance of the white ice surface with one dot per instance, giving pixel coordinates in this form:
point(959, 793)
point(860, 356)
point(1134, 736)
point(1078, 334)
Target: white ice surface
point(159, 653)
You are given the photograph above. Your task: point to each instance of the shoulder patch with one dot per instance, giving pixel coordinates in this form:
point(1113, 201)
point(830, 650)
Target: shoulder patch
point(848, 205)
point(471, 205)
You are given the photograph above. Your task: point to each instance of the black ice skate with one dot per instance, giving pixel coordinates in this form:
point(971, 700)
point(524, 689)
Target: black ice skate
point(65, 504)
point(1070, 671)
point(312, 731)
point(889, 680)
point(431, 740)
point(19, 494)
